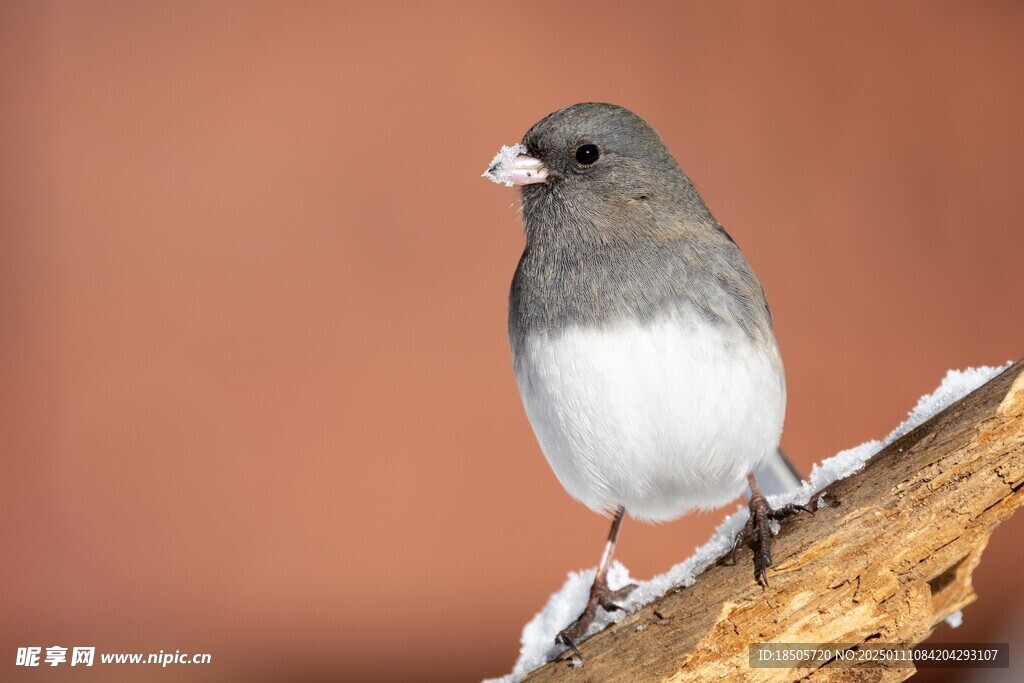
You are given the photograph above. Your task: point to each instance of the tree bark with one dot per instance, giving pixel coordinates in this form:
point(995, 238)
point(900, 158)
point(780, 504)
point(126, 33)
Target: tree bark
point(887, 564)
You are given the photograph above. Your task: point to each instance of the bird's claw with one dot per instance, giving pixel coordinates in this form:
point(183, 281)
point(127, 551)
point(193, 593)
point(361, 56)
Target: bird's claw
point(758, 533)
point(564, 638)
point(600, 596)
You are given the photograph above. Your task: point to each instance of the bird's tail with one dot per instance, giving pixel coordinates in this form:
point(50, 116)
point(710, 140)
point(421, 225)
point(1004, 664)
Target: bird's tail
point(777, 475)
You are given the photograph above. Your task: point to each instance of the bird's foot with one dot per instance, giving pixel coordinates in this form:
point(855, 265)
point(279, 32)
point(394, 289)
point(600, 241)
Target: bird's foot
point(758, 533)
point(600, 596)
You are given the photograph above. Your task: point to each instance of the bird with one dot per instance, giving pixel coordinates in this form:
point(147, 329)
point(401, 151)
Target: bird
point(642, 343)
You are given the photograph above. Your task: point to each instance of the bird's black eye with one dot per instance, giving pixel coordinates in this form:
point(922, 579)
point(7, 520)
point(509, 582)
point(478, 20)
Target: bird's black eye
point(587, 154)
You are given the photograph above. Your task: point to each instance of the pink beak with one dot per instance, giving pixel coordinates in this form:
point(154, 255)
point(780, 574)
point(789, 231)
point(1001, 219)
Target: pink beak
point(513, 168)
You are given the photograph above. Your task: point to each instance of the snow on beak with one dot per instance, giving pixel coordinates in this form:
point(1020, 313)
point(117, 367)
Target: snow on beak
point(512, 166)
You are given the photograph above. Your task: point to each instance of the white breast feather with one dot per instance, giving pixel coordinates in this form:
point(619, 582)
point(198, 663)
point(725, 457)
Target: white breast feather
point(661, 418)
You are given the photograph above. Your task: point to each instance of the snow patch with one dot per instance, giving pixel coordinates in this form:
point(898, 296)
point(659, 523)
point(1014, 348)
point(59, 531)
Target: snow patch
point(538, 639)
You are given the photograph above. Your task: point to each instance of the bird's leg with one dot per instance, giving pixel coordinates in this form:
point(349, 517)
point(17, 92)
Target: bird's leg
point(600, 594)
point(758, 530)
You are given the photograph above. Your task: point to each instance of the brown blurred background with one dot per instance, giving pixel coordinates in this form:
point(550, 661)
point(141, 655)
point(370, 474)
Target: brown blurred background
point(255, 384)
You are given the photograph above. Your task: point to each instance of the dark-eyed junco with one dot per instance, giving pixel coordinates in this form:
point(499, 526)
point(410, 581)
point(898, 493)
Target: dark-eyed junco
point(642, 343)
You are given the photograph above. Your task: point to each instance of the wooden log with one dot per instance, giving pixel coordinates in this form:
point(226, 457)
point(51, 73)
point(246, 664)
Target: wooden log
point(887, 564)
